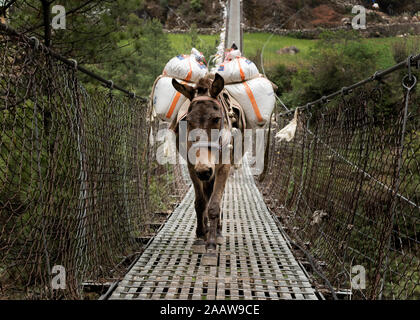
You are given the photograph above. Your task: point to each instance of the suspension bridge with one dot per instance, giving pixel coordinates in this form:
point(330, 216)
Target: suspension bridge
point(80, 188)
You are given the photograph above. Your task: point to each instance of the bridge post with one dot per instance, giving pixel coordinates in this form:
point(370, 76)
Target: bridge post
point(234, 24)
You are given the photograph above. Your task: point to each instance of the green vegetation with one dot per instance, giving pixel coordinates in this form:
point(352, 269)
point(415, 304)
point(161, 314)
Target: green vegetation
point(254, 42)
point(143, 57)
point(195, 4)
point(321, 67)
point(182, 43)
point(338, 59)
point(93, 27)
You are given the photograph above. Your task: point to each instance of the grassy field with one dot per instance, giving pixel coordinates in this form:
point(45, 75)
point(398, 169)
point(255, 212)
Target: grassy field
point(182, 42)
point(255, 42)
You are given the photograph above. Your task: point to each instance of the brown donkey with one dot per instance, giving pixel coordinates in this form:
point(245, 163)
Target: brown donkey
point(209, 160)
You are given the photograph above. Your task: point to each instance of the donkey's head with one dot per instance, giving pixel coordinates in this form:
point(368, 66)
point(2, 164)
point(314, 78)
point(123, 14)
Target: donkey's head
point(205, 114)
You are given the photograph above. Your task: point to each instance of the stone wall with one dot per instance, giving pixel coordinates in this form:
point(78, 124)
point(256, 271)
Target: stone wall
point(377, 30)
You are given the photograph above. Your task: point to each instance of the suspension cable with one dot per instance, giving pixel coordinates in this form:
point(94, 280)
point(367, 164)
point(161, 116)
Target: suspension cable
point(70, 62)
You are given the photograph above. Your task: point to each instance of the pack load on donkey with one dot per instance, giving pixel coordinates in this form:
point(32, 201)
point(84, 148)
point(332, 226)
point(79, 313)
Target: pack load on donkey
point(251, 90)
point(186, 68)
point(247, 86)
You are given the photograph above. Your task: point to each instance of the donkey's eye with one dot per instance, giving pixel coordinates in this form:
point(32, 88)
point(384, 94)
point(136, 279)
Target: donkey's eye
point(216, 120)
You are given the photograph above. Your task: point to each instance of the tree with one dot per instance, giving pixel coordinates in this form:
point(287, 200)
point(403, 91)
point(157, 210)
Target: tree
point(144, 55)
point(108, 36)
point(93, 27)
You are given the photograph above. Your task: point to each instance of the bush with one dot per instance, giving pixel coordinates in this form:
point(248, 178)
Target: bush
point(338, 59)
point(196, 4)
point(402, 48)
point(256, 58)
point(281, 76)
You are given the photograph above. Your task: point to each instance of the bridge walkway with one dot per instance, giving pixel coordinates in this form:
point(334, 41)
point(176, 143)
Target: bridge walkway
point(254, 262)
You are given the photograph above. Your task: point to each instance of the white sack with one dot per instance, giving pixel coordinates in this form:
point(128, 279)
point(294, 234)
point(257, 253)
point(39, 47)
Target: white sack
point(186, 67)
point(257, 98)
point(237, 70)
point(230, 55)
point(166, 96)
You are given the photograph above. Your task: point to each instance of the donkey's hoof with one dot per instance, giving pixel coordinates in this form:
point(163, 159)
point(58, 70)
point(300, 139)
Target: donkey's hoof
point(199, 246)
point(199, 241)
point(220, 240)
point(210, 258)
point(211, 246)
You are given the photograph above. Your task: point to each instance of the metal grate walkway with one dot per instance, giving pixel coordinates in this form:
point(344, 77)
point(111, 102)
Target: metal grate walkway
point(255, 261)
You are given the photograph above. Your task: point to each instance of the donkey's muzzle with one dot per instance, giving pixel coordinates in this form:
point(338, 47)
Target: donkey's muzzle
point(205, 175)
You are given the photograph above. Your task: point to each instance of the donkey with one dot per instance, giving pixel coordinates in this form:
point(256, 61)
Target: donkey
point(209, 110)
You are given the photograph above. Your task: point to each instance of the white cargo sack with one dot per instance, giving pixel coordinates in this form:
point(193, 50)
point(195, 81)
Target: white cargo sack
point(186, 67)
point(232, 54)
point(256, 97)
point(166, 99)
point(238, 69)
point(253, 92)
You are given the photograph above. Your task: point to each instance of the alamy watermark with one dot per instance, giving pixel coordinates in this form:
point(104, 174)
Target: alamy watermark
point(58, 281)
point(59, 20)
point(359, 21)
point(358, 277)
point(223, 147)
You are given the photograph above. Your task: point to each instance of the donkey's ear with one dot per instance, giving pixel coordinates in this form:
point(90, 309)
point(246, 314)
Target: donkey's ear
point(184, 89)
point(217, 85)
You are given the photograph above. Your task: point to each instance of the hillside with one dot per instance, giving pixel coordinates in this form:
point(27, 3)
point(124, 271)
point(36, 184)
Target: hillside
point(288, 14)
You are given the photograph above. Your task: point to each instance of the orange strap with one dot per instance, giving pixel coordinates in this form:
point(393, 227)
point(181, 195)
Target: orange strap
point(249, 93)
point(173, 105)
point(188, 78)
point(178, 94)
point(253, 102)
point(240, 70)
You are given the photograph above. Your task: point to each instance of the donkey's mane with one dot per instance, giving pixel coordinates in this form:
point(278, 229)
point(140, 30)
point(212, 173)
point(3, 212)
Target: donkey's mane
point(204, 84)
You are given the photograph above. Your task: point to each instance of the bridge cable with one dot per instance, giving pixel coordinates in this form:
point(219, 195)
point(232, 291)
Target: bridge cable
point(377, 76)
point(262, 53)
point(70, 62)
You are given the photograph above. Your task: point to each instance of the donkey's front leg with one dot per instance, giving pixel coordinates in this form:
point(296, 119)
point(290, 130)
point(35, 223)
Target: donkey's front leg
point(200, 205)
point(213, 209)
point(200, 210)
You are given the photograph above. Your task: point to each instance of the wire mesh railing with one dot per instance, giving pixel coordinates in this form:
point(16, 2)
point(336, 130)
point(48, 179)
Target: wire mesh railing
point(78, 184)
point(347, 187)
